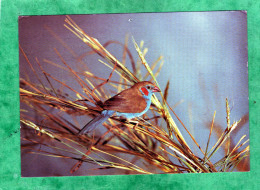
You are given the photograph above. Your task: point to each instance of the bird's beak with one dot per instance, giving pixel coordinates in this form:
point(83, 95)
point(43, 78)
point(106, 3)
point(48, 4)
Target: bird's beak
point(156, 89)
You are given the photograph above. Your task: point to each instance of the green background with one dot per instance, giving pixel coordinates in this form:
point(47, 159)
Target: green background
point(10, 177)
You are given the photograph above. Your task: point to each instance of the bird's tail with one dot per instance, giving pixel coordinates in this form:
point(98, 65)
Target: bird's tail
point(90, 126)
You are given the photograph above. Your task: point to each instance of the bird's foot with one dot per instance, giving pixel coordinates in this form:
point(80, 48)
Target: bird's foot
point(133, 122)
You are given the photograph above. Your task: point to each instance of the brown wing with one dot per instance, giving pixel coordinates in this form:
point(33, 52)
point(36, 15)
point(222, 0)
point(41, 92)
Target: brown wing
point(127, 101)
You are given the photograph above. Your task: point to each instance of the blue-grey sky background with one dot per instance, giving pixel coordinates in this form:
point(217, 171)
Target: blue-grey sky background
point(205, 57)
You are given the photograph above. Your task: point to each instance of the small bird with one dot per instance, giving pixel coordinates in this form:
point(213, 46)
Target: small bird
point(130, 103)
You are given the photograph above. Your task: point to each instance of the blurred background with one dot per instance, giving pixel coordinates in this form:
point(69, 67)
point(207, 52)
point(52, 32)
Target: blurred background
point(205, 60)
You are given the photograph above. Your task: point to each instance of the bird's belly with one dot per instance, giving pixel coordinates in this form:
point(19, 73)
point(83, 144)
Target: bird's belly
point(129, 115)
point(133, 115)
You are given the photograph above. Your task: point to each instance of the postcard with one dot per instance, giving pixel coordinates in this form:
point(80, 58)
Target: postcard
point(124, 94)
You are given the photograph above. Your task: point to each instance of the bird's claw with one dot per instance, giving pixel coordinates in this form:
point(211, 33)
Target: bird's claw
point(133, 121)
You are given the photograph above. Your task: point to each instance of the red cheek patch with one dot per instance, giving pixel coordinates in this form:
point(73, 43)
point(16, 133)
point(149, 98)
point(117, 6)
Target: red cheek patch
point(145, 91)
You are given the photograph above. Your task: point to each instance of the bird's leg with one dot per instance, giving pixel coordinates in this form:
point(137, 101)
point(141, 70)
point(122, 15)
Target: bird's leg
point(135, 125)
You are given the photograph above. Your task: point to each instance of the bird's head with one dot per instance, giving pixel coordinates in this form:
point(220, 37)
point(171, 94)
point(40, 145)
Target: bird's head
point(147, 88)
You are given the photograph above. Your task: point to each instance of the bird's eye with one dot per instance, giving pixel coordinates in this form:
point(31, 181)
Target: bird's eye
point(149, 87)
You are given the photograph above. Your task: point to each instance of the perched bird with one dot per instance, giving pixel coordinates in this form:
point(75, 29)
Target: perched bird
point(130, 103)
